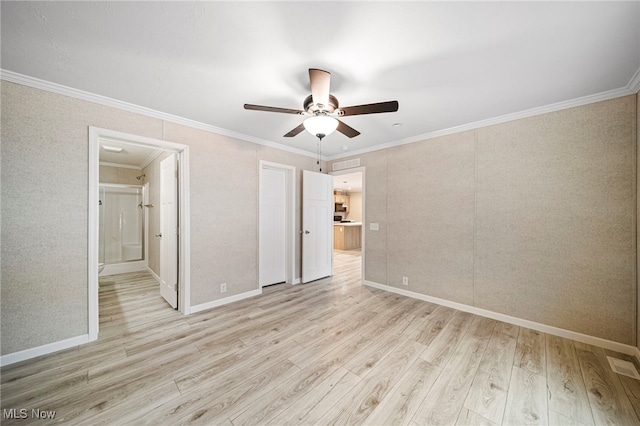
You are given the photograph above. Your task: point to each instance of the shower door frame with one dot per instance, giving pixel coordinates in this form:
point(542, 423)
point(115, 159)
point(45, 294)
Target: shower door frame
point(184, 224)
point(136, 264)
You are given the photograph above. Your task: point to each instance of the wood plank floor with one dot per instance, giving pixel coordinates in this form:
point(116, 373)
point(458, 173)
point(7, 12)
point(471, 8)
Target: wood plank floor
point(328, 352)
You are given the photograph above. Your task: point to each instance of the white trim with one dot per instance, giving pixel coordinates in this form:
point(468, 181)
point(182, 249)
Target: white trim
point(154, 154)
point(122, 166)
point(225, 301)
point(120, 185)
point(567, 334)
point(145, 220)
point(184, 232)
point(95, 134)
point(26, 354)
point(37, 83)
point(290, 222)
point(631, 88)
point(154, 275)
point(572, 103)
point(93, 235)
point(297, 281)
point(634, 83)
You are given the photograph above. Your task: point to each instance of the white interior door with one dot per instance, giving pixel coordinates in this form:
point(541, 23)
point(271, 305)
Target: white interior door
point(317, 226)
point(169, 231)
point(273, 214)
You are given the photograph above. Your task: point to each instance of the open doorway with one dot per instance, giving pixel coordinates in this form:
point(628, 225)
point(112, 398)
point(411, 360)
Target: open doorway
point(139, 173)
point(349, 220)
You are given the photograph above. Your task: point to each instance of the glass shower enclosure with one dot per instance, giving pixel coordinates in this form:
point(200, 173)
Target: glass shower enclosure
point(121, 221)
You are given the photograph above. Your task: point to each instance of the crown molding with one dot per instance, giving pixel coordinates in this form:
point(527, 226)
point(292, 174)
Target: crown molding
point(631, 88)
point(585, 100)
point(154, 154)
point(48, 86)
point(634, 83)
point(121, 166)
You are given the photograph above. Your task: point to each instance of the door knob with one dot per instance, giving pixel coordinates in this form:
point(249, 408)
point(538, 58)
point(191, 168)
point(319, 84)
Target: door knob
point(306, 231)
point(159, 235)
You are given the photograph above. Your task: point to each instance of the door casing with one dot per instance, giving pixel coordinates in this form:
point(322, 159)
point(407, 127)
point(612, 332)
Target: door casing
point(184, 276)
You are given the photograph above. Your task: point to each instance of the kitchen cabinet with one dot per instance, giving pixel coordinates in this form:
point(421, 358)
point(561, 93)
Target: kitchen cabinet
point(347, 237)
point(341, 199)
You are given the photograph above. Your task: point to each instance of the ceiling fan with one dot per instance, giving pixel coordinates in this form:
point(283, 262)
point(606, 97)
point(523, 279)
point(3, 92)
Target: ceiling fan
point(322, 109)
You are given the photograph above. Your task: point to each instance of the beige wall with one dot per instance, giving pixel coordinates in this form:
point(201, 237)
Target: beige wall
point(44, 210)
point(638, 217)
point(120, 175)
point(533, 218)
point(355, 207)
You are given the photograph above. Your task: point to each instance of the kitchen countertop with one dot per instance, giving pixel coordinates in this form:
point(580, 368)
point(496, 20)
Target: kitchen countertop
point(347, 223)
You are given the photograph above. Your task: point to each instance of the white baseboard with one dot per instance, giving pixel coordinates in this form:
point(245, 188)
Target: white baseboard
point(568, 334)
point(296, 281)
point(43, 350)
point(154, 275)
point(225, 301)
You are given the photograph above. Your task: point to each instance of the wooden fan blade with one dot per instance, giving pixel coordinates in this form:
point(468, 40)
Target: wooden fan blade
point(390, 106)
point(320, 85)
point(272, 109)
point(347, 130)
point(295, 131)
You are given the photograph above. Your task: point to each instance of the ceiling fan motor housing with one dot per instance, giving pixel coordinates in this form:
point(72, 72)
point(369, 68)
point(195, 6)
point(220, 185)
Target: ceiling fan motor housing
point(323, 112)
point(313, 109)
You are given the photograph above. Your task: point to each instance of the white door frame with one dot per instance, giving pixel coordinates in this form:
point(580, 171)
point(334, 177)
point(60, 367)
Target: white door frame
point(364, 208)
point(290, 238)
point(184, 278)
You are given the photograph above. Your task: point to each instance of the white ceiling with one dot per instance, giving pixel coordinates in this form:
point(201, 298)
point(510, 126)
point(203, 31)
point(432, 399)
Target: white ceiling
point(351, 182)
point(447, 63)
point(131, 154)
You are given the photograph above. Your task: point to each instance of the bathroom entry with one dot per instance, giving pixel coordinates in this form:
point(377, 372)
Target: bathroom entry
point(121, 222)
point(138, 212)
point(128, 160)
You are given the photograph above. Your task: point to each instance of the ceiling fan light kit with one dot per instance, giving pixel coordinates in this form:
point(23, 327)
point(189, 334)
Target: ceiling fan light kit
point(322, 108)
point(320, 125)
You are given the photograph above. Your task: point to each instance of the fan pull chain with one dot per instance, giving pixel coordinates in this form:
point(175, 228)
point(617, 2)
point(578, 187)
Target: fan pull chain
point(319, 153)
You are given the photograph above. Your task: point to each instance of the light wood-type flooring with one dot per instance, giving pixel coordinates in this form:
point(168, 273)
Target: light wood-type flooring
point(329, 352)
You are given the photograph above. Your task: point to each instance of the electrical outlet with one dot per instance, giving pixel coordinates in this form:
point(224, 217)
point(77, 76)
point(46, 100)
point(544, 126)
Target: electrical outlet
point(223, 288)
point(405, 280)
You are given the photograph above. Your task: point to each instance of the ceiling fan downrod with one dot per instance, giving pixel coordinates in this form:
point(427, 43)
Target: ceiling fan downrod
point(322, 108)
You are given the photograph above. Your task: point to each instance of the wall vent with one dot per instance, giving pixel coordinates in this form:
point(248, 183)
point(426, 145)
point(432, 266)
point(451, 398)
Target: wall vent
point(348, 164)
point(625, 368)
